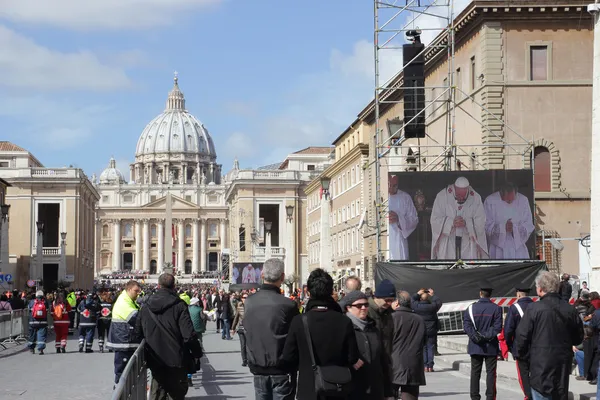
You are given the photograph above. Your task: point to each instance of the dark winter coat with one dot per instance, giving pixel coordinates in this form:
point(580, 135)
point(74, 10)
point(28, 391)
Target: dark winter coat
point(488, 321)
point(172, 313)
point(383, 322)
point(513, 318)
point(225, 310)
point(267, 321)
point(409, 337)
point(428, 311)
point(547, 333)
point(333, 340)
point(373, 380)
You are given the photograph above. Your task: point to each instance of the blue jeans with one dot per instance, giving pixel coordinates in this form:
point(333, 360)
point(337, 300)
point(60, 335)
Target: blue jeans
point(538, 395)
point(598, 386)
point(429, 351)
point(579, 361)
point(37, 334)
point(226, 327)
point(274, 387)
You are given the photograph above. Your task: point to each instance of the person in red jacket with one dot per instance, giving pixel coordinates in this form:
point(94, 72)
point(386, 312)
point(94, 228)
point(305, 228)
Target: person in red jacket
point(60, 314)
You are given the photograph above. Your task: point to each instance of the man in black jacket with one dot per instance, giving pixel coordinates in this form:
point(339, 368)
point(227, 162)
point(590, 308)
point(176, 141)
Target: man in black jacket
point(546, 335)
point(172, 346)
point(267, 322)
point(565, 289)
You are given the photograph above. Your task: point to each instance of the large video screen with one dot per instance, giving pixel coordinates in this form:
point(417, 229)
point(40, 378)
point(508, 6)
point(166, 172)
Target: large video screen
point(246, 273)
point(466, 215)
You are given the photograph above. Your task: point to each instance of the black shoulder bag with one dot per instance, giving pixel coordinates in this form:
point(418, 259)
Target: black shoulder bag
point(192, 367)
point(330, 380)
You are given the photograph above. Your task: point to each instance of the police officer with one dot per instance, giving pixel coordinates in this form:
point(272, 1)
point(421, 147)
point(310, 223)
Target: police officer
point(513, 318)
point(482, 322)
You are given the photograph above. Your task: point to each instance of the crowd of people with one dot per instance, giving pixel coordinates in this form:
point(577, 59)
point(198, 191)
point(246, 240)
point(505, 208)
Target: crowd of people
point(380, 344)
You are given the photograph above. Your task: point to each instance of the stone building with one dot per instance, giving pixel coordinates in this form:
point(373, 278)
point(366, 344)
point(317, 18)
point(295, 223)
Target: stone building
point(523, 73)
point(268, 209)
point(175, 169)
point(54, 206)
point(335, 239)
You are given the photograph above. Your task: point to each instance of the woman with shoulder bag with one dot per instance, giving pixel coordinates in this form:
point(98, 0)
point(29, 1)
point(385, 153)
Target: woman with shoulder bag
point(323, 361)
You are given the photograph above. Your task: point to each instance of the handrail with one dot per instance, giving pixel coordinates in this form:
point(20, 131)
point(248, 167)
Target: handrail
point(133, 384)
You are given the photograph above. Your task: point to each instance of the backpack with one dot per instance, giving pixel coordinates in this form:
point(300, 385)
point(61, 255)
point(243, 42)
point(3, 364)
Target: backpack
point(39, 310)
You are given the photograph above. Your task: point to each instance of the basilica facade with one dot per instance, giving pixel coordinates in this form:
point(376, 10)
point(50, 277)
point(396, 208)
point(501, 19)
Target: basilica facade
point(175, 180)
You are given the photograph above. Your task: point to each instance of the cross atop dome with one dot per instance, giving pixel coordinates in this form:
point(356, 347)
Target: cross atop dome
point(175, 101)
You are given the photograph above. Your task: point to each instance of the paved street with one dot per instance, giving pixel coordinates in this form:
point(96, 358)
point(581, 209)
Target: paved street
point(89, 376)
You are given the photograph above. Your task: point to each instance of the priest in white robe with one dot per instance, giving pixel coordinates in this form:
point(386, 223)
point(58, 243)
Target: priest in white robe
point(458, 224)
point(509, 224)
point(403, 220)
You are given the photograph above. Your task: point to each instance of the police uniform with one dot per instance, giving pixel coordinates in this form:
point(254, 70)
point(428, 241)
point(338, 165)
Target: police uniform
point(482, 322)
point(88, 313)
point(104, 318)
point(513, 318)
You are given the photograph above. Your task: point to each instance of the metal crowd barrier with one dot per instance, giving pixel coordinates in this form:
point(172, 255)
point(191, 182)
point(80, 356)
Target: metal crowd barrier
point(13, 327)
point(135, 380)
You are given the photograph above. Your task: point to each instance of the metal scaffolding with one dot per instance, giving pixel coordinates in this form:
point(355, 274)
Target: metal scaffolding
point(435, 21)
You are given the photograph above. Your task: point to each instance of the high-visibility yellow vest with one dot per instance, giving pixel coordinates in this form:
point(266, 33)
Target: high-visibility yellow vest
point(72, 299)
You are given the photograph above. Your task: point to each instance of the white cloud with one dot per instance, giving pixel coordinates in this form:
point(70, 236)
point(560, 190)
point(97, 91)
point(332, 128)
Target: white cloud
point(437, 24)
point(242, 108)
point(240, 145)
point(87, 15)
point(26, 64)
point(361, 62)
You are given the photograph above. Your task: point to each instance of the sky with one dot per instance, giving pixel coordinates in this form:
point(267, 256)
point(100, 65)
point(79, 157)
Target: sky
point(79, 80)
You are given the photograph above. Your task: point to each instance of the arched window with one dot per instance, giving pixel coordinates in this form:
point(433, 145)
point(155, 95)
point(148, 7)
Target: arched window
point(105, 231)
point(542, 169)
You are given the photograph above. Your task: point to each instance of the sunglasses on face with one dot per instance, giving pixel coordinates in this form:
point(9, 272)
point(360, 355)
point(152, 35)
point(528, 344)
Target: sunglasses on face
point(360, 305)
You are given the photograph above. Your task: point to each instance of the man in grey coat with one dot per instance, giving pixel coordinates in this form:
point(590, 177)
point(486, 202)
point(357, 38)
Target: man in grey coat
point(408, 368)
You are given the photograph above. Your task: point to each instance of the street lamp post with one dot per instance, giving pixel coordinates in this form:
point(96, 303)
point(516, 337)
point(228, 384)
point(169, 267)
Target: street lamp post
point(40, 244)
point(3, 232)
point(63, 256)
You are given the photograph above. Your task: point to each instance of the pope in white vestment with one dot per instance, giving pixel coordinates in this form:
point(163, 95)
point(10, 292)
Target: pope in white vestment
point(403, 220)
point(458, 224)
point(509, 224)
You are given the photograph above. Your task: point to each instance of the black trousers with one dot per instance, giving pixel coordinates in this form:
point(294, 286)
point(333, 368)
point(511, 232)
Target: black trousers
point(490, 381)
point(523, 371)
point(242, 335)
point(121, 360)
point(169, 384)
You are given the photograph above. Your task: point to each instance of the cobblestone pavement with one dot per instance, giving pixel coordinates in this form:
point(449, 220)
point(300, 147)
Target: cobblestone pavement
point(90, 376)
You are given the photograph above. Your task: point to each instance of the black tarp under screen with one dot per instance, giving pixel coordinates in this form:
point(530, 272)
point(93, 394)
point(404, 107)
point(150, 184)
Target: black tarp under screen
point(460, 284)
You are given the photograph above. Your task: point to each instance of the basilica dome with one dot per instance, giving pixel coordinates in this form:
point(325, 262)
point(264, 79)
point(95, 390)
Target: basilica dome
point(175, 131)
point(111, 175)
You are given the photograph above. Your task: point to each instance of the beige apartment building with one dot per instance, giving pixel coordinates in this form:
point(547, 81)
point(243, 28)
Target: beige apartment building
point(267, 210)
point(51, 221)
point(334, 237)
point(523, 73)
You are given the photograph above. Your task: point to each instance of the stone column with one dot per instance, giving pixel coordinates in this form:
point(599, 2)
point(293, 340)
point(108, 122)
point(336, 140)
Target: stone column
point(161, 245)
point(181, 245)
point(116, 245)
point(146, 263)
point(195, 266)
point(222, 233)
point(203, 244)
point(138, 245)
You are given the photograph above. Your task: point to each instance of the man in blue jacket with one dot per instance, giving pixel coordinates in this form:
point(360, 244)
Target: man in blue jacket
point(513, 318)
point(482, 322)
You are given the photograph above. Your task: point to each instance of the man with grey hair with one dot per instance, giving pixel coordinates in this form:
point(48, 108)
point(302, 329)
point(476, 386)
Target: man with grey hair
point(267, 321)
point(352, 284)
point(547, 333)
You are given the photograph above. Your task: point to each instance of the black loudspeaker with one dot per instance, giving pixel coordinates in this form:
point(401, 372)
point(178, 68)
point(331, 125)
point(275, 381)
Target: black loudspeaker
point(414, 90)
